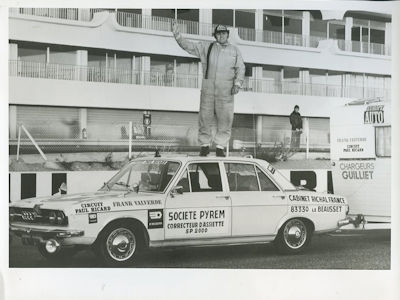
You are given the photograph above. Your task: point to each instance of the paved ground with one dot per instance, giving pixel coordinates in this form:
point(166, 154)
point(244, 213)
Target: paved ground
point(349, 249)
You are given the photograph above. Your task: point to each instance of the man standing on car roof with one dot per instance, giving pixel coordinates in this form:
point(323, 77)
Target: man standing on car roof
point(223, 75)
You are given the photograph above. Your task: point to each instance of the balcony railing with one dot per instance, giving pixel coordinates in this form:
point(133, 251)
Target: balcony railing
point(364, 47)
point(127, 19)
point(162, 23)
point(127, 76)
point(95, 74)
point(75, 14)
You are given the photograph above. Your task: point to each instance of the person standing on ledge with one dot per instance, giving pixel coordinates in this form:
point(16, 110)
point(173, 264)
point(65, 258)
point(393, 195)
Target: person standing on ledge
point(223, 75)
point(297, 128)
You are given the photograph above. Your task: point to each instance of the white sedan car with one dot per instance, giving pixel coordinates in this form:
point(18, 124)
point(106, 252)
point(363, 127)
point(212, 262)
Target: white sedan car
point(179, 201)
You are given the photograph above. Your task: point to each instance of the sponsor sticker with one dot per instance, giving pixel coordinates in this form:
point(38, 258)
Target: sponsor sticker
point(92, 218)
point(155, 219)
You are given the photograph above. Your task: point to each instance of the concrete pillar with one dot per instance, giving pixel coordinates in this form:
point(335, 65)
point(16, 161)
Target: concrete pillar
point(347, 33)
point(146, 18)
point(12, 122)
point(205, 22)
point(388, 38)
point(304, 77)
point(12, 51)
point(83, 123)
point(13, 57)
point(199, 74)
point(81, 63)
point(83, 14)
point(259, 129)
point(144, 68)
point(259, 25)
point(257, 83)
point(133, 70)
point(305, 28)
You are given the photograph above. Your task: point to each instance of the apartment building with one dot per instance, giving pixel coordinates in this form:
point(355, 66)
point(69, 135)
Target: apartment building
point(78, 77)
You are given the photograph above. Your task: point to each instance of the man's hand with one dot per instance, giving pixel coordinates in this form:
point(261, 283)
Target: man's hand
point(235, 89)
point(175, 27)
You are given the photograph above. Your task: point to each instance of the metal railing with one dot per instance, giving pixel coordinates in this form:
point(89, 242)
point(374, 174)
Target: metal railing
point(364, 47)
point(127, 19)
point(75, 14)
point(96, 74)
point(127, 76)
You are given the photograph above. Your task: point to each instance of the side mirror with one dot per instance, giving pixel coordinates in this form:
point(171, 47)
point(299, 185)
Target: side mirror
point(177, 190)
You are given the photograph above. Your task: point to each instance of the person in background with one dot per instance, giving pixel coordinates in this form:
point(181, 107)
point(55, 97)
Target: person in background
point(223, 75)
point(297, 128)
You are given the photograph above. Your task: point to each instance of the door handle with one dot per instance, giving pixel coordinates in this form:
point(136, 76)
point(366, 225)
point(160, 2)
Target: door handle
point(279, 196)
point(220, 197)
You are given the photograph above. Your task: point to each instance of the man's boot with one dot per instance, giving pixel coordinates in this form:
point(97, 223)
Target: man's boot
point(220, 152)
point(204, 150)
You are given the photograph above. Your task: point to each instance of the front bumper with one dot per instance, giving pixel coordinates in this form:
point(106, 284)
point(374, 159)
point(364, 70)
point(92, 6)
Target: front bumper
point(43, 234)
point(359, 219)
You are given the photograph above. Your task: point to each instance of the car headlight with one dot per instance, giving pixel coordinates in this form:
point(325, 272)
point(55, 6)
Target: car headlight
point(11, 213)
point(60, 218)
point(52, 217)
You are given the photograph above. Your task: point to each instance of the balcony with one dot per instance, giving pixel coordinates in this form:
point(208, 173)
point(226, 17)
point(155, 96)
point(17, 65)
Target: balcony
point(73, 14)
point(127, 76)
point(132, 20)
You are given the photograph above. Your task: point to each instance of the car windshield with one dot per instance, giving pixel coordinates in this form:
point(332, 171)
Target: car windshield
point(146, 175)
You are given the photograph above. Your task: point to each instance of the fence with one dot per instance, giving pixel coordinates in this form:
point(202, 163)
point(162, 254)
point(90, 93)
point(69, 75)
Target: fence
point(127, 19)
point(127, 76)
point(74, 14)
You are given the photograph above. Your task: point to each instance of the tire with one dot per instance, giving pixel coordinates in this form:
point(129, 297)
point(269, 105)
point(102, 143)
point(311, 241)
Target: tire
point(59, 255)
point(293, 237)
point(119, 245)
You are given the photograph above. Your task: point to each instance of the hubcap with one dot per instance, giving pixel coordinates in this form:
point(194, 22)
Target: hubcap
point(121, 244)
point(295, 234)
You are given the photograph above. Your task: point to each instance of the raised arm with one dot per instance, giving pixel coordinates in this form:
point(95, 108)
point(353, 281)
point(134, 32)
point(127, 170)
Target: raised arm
point(195, 49)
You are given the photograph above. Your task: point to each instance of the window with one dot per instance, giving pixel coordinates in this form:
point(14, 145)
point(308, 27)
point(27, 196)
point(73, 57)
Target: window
point(184, 182)
point(241, 177)
point(383, 141)
point(266, 183)
point(149, 175)
point(205, 177)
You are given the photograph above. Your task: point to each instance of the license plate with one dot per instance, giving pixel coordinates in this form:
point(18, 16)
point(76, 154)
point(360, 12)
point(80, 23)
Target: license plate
point(27, 240)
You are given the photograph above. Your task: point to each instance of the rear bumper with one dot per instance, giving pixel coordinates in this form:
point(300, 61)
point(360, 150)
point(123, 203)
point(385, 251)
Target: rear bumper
point(44, 233)
point(359, 219)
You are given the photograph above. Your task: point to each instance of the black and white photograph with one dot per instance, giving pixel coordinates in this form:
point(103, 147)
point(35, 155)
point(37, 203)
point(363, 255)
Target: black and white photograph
point(173, 143)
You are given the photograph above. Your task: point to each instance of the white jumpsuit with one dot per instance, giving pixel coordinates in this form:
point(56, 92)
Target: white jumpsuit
point(225, 69)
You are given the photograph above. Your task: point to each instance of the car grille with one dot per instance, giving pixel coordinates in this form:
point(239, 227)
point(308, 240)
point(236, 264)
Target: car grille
point(32, 216)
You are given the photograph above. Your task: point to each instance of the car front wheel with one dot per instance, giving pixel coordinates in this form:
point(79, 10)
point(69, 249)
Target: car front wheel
point(293, 237)
point(119, 245)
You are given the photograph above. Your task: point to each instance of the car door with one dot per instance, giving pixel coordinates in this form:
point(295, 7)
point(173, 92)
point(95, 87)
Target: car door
point(203, 210)
point(257, 202)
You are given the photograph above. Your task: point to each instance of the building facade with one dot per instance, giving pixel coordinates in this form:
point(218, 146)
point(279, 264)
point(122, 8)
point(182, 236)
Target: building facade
point(80, 76)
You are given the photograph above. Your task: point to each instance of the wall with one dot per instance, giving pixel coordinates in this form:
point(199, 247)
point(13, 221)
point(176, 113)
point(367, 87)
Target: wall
point(31, 91)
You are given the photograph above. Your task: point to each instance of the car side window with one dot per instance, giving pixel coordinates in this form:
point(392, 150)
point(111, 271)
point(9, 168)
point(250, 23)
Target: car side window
point(184, 182)
point(205, 177)
point(241, 177)
point(266, 183)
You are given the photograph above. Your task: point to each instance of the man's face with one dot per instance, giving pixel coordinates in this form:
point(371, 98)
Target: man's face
point(296, 110)
point(222, 37)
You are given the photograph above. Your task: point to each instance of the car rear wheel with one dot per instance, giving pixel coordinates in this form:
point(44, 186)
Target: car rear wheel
point(119, 245)
point(293, 237)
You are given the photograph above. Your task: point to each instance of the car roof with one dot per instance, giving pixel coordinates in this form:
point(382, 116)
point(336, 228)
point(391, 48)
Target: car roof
point(190, 158)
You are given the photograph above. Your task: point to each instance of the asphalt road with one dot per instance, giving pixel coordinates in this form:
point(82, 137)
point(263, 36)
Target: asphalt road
point(349, 249)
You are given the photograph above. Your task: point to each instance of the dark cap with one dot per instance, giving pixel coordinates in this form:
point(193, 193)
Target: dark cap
point(296, 106)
